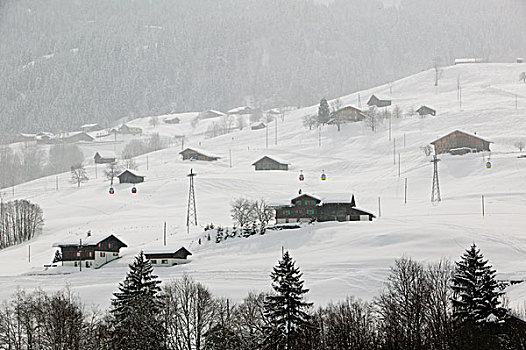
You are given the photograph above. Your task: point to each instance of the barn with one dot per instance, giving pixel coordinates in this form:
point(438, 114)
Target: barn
point(378, 102)
point(128, 130)
point(267, 163)
point(211, 113)
point(168, 258)
point(196, 154)
point(103, 159)
point(127, 177)
point(457, 139)
point(347, 114)
point(90, 252)
point(425, 110)
point(333, 207)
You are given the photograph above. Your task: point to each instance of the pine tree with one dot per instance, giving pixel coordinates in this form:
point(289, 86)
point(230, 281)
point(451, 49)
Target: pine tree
point(57, 257)
point(136, 309)
point(219, 235)
point(475, 290)
point(286, 309)
point(324, 112)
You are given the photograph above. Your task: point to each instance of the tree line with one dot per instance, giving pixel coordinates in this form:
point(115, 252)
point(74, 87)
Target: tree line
point(20, 221)
point(437, 306)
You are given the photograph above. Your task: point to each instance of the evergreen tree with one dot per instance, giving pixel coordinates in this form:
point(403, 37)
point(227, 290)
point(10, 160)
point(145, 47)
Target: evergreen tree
point(219, 235)
point(286, 309)
point(324, 112)
point(136, 309)
point(57, 257)
point(475, 290)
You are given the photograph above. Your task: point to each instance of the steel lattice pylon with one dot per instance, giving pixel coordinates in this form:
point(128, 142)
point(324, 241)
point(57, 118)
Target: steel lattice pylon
point(191, 214)
point(435, 193)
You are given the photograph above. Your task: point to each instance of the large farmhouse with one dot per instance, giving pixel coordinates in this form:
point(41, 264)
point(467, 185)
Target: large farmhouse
point(196, 154)
point(307, 208)
point(267, 163)
point(91, 252)
point(378, 102)
point(168, 258)
point(452, 142)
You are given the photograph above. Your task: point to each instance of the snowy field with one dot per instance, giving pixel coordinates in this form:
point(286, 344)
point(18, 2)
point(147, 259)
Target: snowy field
point(337, 259)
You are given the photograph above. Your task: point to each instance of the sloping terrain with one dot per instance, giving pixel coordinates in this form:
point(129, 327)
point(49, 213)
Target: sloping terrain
point(338, 259)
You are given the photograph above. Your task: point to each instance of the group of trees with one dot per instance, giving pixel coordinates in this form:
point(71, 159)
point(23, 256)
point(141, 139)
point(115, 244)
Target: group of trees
point(246, 212)
point(20, 221)
point(32, 162)
point(438, 307)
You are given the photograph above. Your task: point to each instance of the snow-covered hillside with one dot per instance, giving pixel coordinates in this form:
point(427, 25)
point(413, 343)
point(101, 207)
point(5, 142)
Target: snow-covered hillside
point(338, 259)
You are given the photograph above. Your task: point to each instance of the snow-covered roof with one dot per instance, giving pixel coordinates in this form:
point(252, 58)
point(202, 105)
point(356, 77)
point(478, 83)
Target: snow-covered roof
point(273, 111)
point(469, 60)
point(165, 251)
point(328, 198)
point(216, 112)
point(198, 150)
point(27, 135)
point(128, 171)
point(86, 240)
point(306, 194)
point(463, 132)
point(257, 124)
point(85, 126)
point(239, 109)
point(276, 159)
point(106, 154)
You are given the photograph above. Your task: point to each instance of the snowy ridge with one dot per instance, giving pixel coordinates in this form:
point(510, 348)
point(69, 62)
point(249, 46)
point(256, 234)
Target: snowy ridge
point(337, 259)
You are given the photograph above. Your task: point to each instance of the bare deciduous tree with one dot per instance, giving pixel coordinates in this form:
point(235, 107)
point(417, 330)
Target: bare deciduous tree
point(112, 170)
point(78, 174)
point(519, 145)
point(438, 70)
point(522, 77)
point(242, 211)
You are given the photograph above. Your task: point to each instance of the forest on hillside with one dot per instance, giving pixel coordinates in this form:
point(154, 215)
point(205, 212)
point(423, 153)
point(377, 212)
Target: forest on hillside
point(64, 63)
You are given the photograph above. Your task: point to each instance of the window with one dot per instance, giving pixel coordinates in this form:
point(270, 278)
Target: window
point(299, 203)
point(102, 254)
point(284, 212)
point(288, 212)
point(75, 254)
point(115, 254)
point(164, 261)
point(154, 261)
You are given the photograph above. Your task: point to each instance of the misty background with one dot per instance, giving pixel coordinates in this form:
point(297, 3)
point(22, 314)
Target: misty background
point(64, 63)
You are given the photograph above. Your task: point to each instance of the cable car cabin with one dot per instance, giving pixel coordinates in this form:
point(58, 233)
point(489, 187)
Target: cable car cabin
point(134, 190)
point(488, 165)
point(302, 177)
point(323, 177)
point(112, 191)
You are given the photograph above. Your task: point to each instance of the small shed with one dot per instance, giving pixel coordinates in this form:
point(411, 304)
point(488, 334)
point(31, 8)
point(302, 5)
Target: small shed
point(425, 110)
point(378, 102)
point(460, 140)
point(168, 258)
point(196, 154)
point(174, 120)
point(267, 163)
point(520, 60)
point(127, 177)
point(103, 159)
point(257, 126)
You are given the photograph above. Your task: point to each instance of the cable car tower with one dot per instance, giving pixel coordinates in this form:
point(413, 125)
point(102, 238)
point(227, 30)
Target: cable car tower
point(191, 214)
point(435, 193)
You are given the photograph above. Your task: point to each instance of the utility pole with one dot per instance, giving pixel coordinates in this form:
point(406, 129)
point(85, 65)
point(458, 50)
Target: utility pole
point(56, 182)
point(230, 159)
point(191, 214)
point(80, 255)
point(164, 234)
point(390, 117)
point(405, 191)
point(29, 253)
point(319, 135)
point(276, 130)
point(394, 151)
point(483, 209)
point(460, 97)
point(435, 193)
point(379, 207)
point(399, 166)
point(266, 136)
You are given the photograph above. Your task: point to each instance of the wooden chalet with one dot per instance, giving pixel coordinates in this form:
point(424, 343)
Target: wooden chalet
point(211, 113)
point(241, 110)
point(168, 258)
point(75, 137)
point(267, 163)
point(452, 142)
point(195, 154)
point(91, 252)
point(257, 126)
point(174, 120)
point(347, 114)
point(425, 110)
point(308, 208)
point(128, 130)
point(127, 177)
point(103, 159)
point(375, 101)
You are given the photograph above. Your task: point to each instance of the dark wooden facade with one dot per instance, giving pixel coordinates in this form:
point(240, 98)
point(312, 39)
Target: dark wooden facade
point(182, 253)
point(308, 208)
point(77, 252)
point(425, 110)
point(127, 177)
point(375, 101)
point(174, 120)
point(257, 126)
point(460, 139)
point(103, 160)
point(267, 163)
point(128, 130)
point(193, 154)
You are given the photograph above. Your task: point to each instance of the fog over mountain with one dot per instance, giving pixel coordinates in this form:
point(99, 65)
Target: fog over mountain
point(68, 62)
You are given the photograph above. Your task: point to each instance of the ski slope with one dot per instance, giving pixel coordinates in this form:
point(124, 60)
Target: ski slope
point(337, 259)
